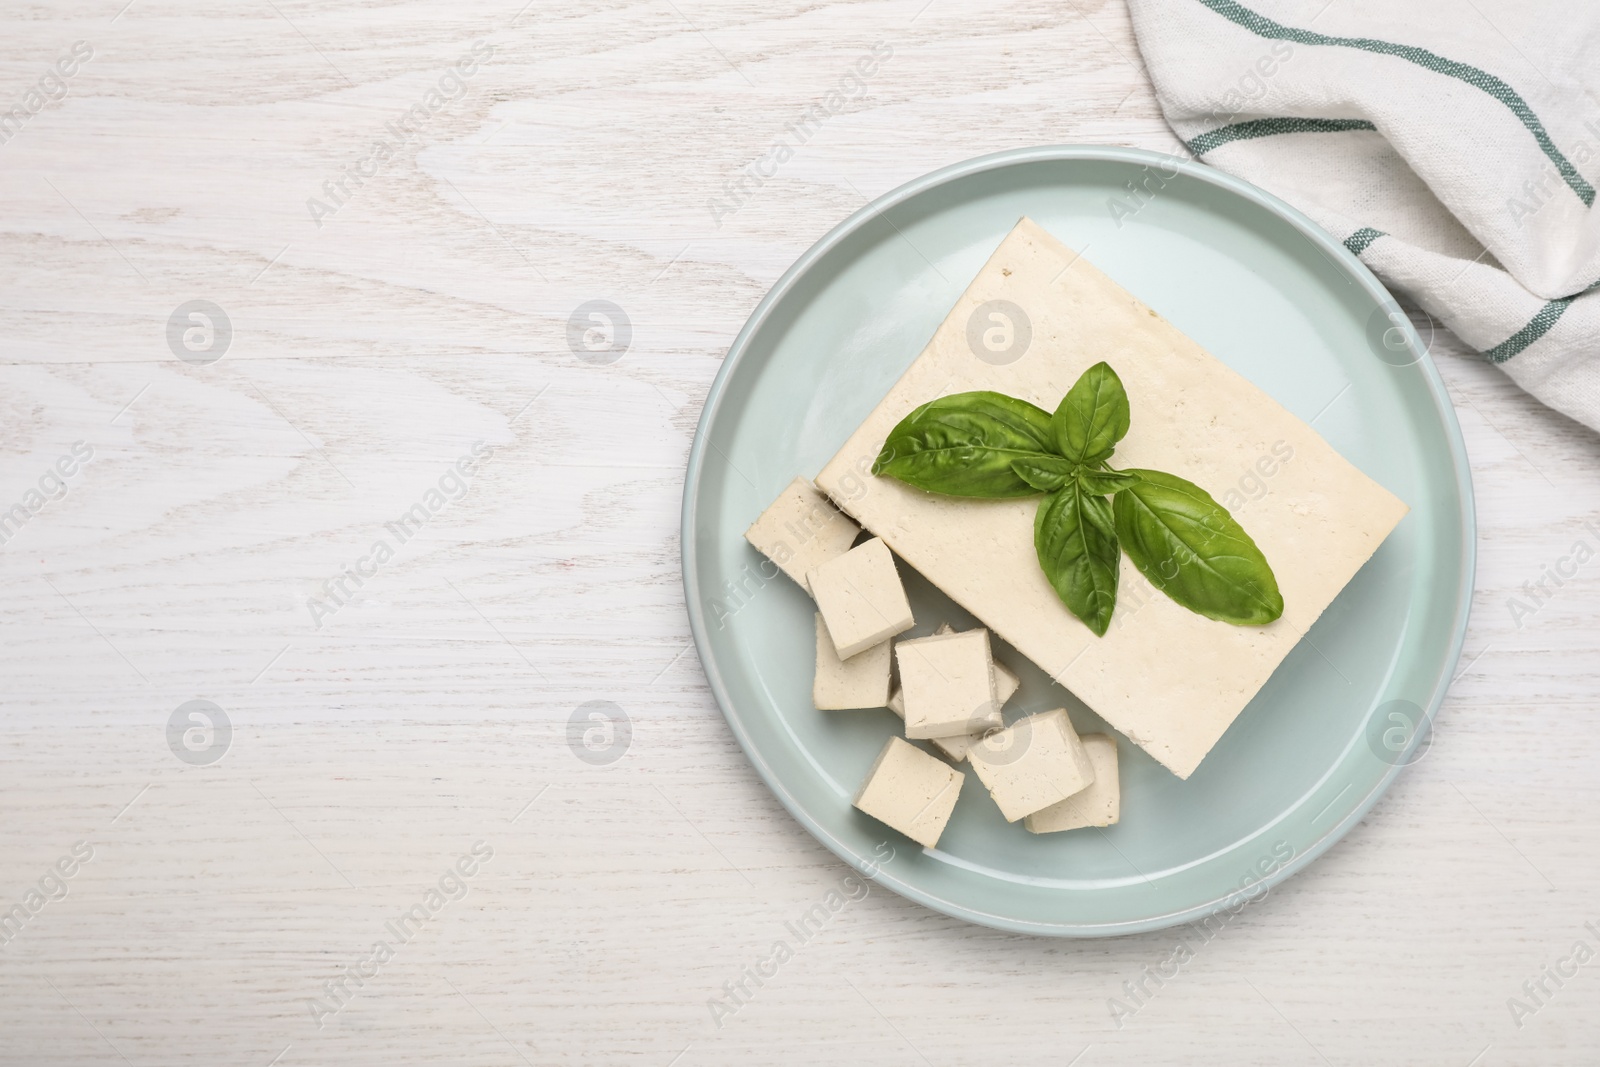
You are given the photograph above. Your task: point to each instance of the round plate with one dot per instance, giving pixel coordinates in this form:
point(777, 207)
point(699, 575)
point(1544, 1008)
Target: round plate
point(1268, 292)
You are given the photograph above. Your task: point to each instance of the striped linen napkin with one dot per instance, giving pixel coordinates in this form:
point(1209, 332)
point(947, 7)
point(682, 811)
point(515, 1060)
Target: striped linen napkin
point(1451, 144)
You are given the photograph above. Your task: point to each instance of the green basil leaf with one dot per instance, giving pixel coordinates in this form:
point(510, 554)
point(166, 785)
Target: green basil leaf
point(1191, 549)
point(1093, 416)
point(964, 444)
point(1076, 541)
point(1104, 483)
point(1045, 473)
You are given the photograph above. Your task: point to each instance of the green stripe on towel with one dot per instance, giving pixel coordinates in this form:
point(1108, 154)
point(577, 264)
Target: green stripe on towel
point(1244, 131)
point(1357, 242)
point(1537, 327)
point(1262, 26)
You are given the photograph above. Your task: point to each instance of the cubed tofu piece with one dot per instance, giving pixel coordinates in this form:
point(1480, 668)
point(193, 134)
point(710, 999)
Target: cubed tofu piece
point(801, 530)
point(1171, 680)
point(1006, 684)
point(1098, 805)
point(897, 700)
point(1033, 763)
point(947, 685)
point(911, 791)
point(955, 746)
point(862, 681)
point(861, 598)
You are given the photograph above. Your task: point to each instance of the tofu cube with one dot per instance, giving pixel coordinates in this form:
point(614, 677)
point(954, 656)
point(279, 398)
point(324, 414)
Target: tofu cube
point(862, 681)
point(910, 791)
point(801, 531)
point(861, 598)
point(1033, 763)
point(1098, 805)
point(947, 685)
point(955, 746)
point(1006, 684)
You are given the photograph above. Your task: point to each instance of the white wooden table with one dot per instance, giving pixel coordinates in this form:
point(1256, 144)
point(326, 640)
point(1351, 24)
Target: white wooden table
point(378, 738)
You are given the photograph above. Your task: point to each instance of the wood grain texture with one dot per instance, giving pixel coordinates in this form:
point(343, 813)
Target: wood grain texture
point(429, 312)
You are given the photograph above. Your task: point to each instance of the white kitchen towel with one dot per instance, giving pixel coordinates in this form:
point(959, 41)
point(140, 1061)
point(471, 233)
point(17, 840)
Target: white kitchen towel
point(1451, 144)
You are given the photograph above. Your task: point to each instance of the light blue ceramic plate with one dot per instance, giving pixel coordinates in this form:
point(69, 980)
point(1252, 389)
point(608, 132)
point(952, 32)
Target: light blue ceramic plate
point(1267, 291)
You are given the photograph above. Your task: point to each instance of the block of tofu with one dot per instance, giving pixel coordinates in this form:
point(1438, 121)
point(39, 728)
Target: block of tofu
point(862, 681)
point(1033, 763)
point(911, 791)
point(801, 530)
point(1098, 805)
point(861, 598)
point(1169, 679)
point(947, 684)
point(955, 746)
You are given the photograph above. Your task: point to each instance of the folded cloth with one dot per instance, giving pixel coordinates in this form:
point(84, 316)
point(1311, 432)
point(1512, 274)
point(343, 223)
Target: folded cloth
point(1459, 165)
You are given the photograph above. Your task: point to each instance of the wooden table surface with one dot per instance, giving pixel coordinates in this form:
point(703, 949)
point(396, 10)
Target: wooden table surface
point(392, 211)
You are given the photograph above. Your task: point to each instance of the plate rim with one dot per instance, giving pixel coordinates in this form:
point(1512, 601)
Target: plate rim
point(1336, 251)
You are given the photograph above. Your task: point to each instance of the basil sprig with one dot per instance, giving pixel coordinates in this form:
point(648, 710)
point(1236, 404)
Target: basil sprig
point(991, 446)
